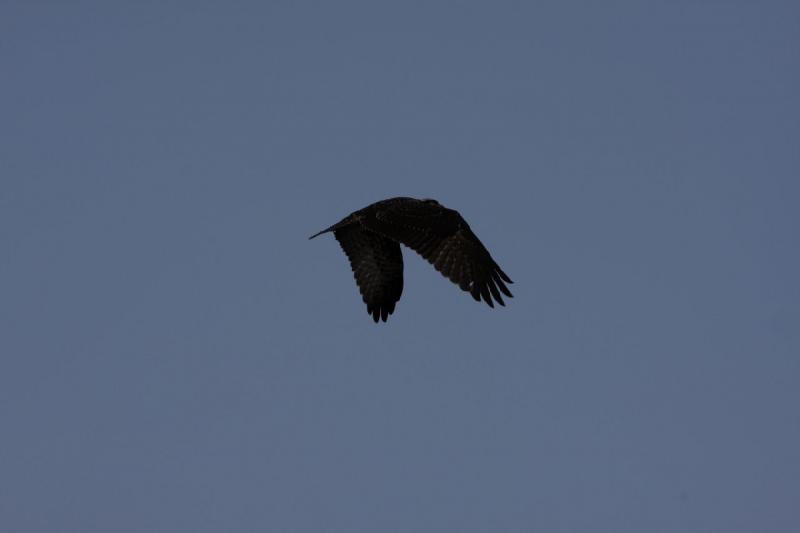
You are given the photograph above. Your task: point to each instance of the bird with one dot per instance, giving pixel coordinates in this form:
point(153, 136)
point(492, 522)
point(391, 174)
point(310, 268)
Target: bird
point(371, 239)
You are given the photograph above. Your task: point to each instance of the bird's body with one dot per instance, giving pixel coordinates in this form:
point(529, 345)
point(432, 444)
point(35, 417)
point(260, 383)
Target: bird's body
point(371, 239)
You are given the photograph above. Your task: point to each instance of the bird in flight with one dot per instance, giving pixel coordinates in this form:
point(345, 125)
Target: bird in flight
point(371, 239)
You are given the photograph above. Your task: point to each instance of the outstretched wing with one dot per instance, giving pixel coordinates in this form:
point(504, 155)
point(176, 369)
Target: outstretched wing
point(445, 240)
point(377, 264)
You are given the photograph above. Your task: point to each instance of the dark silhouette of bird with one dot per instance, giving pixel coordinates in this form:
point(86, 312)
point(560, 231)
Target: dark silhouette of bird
point(371, 239)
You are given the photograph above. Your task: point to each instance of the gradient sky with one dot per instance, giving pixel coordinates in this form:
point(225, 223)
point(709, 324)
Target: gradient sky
point(178, 357)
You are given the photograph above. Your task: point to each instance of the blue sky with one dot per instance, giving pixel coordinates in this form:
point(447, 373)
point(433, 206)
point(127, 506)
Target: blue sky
point(177, 356)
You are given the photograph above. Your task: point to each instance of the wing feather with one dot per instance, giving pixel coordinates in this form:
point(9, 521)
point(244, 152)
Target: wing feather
point(445, 240)
point(377, 265)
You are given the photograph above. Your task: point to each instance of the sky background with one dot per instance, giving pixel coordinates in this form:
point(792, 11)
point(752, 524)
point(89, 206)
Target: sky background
point(176, 356)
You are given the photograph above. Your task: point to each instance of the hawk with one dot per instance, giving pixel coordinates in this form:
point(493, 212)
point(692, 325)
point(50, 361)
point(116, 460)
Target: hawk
point(371, 239)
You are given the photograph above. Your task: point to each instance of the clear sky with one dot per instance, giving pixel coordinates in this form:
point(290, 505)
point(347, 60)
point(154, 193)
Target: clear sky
point(176, 356)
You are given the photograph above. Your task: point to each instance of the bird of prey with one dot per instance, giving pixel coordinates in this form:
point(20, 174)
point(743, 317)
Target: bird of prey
point(371, 239)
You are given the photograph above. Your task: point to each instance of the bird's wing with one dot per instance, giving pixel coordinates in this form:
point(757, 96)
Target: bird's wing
point(445, 240)
point(377, 264)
